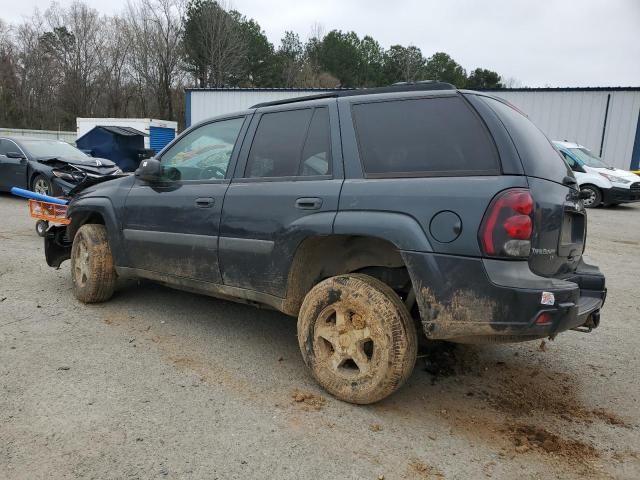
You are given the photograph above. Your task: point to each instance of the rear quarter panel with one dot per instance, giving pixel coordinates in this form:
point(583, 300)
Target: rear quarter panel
point(423, 198)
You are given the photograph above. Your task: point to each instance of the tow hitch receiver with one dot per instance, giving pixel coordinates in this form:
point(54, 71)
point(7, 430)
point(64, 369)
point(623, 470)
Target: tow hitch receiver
point(592, 322)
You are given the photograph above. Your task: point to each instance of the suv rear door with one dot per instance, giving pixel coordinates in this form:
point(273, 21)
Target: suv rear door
point(286, 187)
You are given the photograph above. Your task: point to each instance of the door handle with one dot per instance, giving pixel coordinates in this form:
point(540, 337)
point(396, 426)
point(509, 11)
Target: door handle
point(205, 202)
point(309, 203)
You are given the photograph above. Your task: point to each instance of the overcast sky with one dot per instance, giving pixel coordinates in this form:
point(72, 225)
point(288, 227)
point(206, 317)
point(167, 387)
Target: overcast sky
point(539, 42)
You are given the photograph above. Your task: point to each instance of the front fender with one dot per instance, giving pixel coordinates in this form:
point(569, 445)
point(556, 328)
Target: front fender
point(84, 210)
point(593, 179)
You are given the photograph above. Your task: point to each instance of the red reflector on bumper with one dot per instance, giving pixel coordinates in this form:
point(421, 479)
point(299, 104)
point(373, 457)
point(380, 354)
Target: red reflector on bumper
point(544, 318)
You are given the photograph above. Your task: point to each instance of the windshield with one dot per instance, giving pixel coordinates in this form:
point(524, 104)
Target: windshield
point(52, 148)
point(588, 158)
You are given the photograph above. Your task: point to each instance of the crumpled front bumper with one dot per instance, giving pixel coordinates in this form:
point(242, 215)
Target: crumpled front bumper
point(473, 300)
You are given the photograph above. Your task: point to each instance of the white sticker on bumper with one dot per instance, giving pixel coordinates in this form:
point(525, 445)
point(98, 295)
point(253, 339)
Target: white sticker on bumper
point(548, 298)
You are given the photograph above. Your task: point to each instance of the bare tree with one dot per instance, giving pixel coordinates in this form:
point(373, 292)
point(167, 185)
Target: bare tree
point(512, 82)
point(76, 40)
point(37, 79)
point(155, 28)
point(115, 73)
point(8, 76)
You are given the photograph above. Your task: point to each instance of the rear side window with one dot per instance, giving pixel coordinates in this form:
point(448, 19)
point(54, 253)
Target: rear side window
point(7, 146)
point(4, 147)
point(539, 157)
point(277, 144)
point(291, 143)
point(423, 137)
point(316, 155)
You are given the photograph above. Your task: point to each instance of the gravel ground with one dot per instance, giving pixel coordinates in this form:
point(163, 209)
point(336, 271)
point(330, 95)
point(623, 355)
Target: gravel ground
point(158, 383)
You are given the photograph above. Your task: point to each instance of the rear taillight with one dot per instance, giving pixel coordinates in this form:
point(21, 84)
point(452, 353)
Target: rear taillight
point(508, 225)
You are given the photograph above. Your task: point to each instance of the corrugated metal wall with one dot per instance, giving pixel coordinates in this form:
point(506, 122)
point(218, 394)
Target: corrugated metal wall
point(573, 115)
point(69, 137)
point(579, 116)
point(210, 103)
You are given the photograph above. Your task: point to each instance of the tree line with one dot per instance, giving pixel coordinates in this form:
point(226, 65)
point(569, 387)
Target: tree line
point(69, 62)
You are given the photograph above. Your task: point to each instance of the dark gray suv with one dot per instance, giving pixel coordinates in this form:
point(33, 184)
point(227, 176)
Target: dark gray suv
point(369, 215)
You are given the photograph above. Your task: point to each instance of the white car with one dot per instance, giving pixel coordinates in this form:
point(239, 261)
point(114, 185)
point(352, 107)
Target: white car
point(601, 184)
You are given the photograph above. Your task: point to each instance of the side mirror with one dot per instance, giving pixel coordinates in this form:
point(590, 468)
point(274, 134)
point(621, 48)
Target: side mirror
point(146, 153)
point(150, 170)
point(15, 155)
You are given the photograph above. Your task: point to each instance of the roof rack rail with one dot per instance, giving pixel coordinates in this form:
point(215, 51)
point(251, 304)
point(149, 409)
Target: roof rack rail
point(396, 87)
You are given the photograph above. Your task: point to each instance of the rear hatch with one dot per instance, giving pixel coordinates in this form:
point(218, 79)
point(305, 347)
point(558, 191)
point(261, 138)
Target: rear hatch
point(559, 220)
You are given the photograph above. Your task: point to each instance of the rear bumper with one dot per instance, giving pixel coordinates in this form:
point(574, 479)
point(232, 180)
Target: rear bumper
point(471, 300)
point(620, 195)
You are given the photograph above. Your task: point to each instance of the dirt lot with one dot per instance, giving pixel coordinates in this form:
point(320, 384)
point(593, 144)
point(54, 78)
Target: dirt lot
point(158, 383)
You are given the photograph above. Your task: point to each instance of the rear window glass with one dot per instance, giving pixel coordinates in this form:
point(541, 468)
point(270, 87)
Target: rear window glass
point(539, 157)
point(430, 136)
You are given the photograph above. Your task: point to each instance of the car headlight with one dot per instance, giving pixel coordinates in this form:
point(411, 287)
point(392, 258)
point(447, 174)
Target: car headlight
point(117, 171)
point(68, 176)
point(614, 179)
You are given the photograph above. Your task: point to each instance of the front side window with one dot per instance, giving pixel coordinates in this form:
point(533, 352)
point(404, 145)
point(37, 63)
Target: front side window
point(427, 136)
point(204, 153)
point(573, 165)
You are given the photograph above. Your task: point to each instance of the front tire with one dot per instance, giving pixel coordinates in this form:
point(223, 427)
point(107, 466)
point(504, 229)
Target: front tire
point(357, 338)
point(92, 271)
point(595, 196)
point(42, 185)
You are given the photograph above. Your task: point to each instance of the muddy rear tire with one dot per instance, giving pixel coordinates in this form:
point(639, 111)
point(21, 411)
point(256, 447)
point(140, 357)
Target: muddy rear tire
point(357, 338)
point(92, 271)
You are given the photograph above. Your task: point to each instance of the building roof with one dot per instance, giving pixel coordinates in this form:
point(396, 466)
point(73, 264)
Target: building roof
point(395, 88)
point(124, 131)
point(561, 89)
point(319, 90)
point(121, 131)
point(263, 89)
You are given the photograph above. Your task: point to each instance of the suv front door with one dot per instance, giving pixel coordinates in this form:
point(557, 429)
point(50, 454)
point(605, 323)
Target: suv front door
point(13, 171)
point(171, 227)
point(286, 188)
